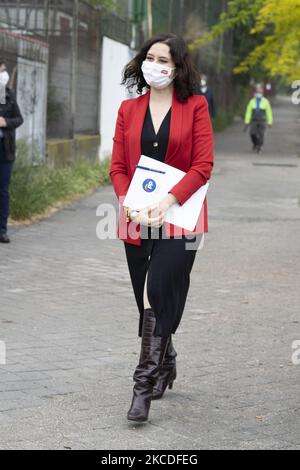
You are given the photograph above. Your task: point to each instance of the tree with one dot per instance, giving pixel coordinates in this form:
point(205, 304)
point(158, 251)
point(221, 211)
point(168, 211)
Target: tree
point(274, 24)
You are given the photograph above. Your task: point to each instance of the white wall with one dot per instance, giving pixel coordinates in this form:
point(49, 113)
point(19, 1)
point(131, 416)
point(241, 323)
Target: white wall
point(32, 100)
point(114, 58)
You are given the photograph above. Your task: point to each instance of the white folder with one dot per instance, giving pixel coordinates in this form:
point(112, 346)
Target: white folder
point(152, 181)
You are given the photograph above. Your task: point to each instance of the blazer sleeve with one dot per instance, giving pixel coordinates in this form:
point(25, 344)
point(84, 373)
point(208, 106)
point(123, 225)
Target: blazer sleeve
point(118, 168)
point(202, 155)
point(16, 118)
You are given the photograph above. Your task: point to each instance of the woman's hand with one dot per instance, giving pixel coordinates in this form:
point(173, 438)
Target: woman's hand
point(2, 122)
point(154, 215)
point(138, 217)
point(143, 218)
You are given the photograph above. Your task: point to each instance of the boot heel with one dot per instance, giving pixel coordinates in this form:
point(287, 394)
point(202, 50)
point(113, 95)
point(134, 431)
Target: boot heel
point(171, 385)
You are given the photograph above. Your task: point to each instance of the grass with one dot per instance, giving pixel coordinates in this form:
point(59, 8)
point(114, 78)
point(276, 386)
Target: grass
point(37, 189)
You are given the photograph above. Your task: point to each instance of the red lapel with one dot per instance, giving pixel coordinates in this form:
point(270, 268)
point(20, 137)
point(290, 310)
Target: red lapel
point(175, 130)
point(136, 128)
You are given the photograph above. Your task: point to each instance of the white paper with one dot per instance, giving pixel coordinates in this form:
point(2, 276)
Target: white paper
point(185, 216)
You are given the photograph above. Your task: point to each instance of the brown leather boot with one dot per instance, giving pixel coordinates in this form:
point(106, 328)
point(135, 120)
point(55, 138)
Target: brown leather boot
point(153, 350)
point(167, 373)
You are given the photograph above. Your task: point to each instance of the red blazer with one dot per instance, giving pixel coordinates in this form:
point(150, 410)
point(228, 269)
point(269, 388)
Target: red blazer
point(190, 149)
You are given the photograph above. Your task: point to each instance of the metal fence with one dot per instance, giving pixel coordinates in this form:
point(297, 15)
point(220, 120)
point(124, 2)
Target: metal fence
point(74, 30)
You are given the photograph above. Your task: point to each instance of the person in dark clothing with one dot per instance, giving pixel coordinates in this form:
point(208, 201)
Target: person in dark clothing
point(207, 92)
point(10, 119)
point(170, 124)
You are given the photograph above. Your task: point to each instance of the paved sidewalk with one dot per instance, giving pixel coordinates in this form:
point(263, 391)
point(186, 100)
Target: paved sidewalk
point(69, 320)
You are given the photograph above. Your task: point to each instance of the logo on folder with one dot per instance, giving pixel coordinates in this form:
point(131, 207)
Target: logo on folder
point(149, 186)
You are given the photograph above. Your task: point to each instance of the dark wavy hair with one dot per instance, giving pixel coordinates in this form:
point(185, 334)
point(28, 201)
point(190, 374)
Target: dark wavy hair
point(187, 77)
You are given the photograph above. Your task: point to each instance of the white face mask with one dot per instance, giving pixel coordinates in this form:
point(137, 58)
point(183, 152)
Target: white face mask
point(258, 95)
point(4, 78)
point(157, 75)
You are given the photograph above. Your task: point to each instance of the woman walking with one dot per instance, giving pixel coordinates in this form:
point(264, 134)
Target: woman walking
point(10, 119)
point(171, 124)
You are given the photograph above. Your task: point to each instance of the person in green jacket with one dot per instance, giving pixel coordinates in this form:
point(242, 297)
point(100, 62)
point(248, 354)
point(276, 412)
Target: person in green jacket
point(259, 113)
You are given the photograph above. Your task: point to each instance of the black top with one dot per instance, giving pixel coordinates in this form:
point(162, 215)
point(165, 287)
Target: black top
point(11, 113)
point(155, 145)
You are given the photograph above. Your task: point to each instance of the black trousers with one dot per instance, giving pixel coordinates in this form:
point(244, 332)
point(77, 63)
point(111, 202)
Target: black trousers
point(6, 168)
point(257, 133)
point(168, 262)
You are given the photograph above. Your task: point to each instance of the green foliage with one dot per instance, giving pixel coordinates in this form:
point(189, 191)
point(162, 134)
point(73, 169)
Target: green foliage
point(280, 51)
point(273, 28)
point(109, 4)
point(240, 13)
point(37, 188)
